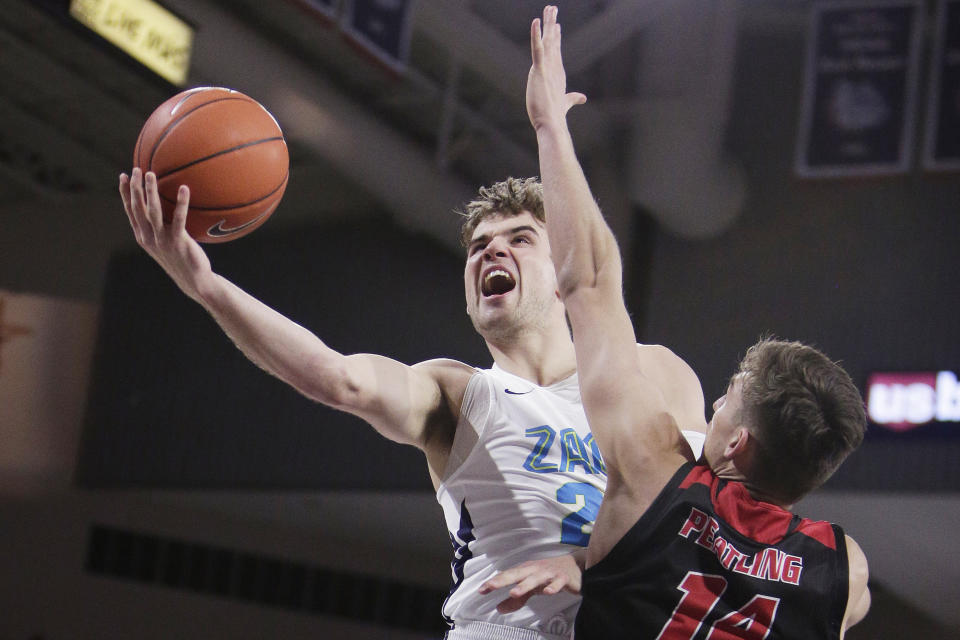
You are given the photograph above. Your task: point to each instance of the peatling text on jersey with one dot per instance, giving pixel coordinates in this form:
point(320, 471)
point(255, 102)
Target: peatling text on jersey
point(766, 564)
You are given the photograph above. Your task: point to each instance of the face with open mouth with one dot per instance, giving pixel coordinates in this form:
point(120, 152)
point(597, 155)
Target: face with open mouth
point(508, 277)
point(496, 281)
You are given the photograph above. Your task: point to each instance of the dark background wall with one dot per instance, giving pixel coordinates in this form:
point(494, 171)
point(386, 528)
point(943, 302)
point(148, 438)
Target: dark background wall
point(173, 404)
point(863, 268)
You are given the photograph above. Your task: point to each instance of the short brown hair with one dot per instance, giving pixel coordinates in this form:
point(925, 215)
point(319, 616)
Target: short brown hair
point(805, 412)
point(510, 197)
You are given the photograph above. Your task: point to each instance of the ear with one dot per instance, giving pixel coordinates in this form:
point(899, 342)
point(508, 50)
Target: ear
point(737, 444)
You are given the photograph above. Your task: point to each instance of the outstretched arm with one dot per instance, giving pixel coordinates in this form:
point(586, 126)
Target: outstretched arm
point(628, 414)
point(403, 403)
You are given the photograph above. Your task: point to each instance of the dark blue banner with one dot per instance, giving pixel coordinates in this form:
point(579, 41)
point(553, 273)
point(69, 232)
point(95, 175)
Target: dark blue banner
point(943, 122)
point(860, 89)
point(382, 27)
point(327, 8)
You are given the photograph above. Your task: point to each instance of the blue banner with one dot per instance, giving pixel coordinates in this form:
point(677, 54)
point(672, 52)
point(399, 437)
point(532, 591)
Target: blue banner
point(327, 8)
point(381, 27)
point(860, 89)
point(943, 115)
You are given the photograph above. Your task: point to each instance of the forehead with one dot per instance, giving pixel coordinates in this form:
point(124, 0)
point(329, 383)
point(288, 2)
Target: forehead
point(503, 223)
point(737, 382)
point(735, 388)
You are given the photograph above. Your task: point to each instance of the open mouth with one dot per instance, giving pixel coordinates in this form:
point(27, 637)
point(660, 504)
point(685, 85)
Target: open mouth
point(497, 282)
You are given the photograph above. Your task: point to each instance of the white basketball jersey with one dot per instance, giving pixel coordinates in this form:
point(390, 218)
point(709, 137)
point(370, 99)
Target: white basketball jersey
point(526, 479)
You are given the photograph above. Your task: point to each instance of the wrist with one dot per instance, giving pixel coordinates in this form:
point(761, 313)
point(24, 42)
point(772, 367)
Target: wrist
point(210, 290)
point(554, 138)
point(580, 557)
point(551, 129)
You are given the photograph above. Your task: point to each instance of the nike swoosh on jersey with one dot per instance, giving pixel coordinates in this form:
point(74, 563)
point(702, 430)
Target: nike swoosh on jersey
point(517, 393)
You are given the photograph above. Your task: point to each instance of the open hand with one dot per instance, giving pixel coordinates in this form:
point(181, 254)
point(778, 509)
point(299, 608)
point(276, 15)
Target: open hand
point(547, 576)
point(167, 242)
point(547, 97)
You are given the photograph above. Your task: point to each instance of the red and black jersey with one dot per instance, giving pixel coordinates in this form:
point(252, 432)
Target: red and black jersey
point(707, 561)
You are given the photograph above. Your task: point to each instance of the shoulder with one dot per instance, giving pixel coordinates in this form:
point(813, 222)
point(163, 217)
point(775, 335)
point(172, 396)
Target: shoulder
point(451, 376)
point(444, 368)
point(678, 383)
point(666, 361)
point(447, 380)
point(858, 600)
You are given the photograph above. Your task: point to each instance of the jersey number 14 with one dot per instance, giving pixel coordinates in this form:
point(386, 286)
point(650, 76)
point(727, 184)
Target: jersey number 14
point(701, 592)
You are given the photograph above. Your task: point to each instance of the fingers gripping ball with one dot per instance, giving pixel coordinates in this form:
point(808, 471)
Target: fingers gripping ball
point(227, 148)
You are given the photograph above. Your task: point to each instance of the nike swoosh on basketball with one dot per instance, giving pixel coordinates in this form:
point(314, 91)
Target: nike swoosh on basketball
point(218, 230)
point(517, 393)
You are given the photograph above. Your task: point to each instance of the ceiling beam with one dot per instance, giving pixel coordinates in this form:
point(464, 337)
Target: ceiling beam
point(613, 26)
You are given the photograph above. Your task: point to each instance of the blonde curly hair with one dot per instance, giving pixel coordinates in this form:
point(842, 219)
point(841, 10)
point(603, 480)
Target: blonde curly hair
point(510, 197)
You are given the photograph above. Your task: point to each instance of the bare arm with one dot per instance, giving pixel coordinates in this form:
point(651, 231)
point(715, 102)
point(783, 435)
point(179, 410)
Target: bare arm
point(858, 600)
point(679, 385)
point(405, 404)
point(617, 389)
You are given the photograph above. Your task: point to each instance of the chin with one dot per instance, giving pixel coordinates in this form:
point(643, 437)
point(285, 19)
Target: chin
point(493, 327)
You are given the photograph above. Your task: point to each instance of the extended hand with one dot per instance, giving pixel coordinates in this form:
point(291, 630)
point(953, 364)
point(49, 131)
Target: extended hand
point(547, 97)
point(167, 242)
point(548, 576)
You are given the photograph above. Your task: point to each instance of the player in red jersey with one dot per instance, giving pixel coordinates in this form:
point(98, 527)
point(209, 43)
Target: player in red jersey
point(684, 547)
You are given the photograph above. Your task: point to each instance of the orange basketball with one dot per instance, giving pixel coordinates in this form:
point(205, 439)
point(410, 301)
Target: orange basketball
point(227, 148)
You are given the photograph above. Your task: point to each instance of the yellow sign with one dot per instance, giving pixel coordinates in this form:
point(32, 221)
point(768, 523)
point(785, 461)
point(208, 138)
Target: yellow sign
point(144, 29)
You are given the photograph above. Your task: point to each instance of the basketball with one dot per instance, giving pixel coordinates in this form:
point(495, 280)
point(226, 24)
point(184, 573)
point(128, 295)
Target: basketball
point(227, 148)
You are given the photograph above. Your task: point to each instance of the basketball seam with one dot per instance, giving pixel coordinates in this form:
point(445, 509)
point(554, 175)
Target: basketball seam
point(218, 153)
point(173, 123)
point(233, 206)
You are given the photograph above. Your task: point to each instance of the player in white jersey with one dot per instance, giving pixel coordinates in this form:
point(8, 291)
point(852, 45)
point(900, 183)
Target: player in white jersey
point(528, 486)
point(513, 302)
point(528, 482)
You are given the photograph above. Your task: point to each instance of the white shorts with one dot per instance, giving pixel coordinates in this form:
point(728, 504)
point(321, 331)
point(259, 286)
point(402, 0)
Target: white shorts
point(475, 630)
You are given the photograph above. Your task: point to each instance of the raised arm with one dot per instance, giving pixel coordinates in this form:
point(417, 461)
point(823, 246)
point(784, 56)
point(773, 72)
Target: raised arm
point(633, 423)
point(411, 405)
point(582, 245)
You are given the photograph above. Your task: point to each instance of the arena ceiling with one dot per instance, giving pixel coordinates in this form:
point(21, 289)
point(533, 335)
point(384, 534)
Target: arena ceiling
point(72, 106)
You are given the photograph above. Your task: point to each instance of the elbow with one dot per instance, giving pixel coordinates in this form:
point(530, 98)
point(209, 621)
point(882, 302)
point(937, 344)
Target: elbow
point(597, 266)
point(594, 282)
point(329, 383)
point(568, 286)
point(575, 277)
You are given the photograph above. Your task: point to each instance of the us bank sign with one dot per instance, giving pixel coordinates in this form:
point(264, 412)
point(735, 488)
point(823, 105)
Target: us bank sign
point(904, 401)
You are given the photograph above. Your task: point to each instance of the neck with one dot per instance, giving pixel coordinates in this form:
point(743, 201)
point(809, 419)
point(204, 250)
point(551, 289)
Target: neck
point(539, 359)
point(731, 473)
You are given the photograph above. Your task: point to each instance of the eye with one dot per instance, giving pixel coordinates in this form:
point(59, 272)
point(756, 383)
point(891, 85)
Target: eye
point(474, 248)
point(521, 240)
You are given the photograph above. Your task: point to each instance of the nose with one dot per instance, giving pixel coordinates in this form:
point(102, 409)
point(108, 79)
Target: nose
point(496, 248)
point(718, 402)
